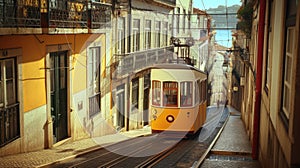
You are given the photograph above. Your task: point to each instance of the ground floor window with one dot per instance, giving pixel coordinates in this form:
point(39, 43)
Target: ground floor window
point(9, 107)
point(93, 77)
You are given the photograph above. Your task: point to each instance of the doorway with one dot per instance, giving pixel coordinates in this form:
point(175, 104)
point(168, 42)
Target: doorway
point(59, 94)
point(120, 106)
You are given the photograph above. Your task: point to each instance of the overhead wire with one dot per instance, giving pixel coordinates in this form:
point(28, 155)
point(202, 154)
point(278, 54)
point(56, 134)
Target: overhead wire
point(226, 8)
point(227, 21)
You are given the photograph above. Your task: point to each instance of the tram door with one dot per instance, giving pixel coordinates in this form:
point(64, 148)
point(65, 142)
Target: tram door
point(58, 75)
point(120, 106)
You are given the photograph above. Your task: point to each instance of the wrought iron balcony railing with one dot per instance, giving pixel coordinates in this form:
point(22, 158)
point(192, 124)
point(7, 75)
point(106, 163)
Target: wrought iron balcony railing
point(15, 13)
point(54, 14)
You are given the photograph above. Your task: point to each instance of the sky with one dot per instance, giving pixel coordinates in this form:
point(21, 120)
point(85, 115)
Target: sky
point(206, 4)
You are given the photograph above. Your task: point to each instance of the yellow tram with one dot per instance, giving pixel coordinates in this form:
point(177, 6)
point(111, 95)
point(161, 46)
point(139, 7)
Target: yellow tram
point(178, 98)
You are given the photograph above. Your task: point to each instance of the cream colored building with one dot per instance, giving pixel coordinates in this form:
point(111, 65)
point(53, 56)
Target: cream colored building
point(271, 100)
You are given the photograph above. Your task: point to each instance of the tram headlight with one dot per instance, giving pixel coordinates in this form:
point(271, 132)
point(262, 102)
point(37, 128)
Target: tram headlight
point(170, 118)
point(154, 111)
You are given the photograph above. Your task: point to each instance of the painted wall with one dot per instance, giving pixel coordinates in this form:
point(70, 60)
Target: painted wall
point(32, 83)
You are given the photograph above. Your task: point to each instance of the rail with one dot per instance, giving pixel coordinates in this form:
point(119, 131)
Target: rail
point(207, 151)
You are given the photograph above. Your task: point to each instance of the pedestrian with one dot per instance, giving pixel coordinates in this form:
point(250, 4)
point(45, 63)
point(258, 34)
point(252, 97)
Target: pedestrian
point(226, 102)
point(218, 102)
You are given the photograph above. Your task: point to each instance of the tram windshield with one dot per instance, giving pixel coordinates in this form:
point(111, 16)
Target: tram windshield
point(156, 91)
point(170, 94)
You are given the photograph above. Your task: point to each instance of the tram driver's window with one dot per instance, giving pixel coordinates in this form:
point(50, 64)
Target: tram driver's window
point(170, 94)
point(156, 90)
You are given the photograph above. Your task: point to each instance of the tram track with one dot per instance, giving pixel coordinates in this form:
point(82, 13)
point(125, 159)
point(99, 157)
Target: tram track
point(156, 150)
point(123, 158)
point(96, 152)
point(150, 162)
point(208, 150)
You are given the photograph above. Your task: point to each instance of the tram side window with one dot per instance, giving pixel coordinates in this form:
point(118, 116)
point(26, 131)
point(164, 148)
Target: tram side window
point(203, 91)
point(186, 94)
point(170, 97)
point(197, 92)
point(156, 90)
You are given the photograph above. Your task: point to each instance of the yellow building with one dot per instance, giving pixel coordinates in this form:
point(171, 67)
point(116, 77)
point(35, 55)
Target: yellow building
point(53, 60)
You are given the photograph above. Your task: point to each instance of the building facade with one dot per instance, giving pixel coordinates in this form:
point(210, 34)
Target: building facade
point(50, 72)
point(269, 108)
point(78, 69)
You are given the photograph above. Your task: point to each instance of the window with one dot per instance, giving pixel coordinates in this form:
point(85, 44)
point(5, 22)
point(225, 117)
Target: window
point(202, 33)
point(269, 47)
point(178, 20)
point(197, 92)
point(7, 82)
point(121, 35)
point(93, 75)
point(136, 35)
point(156, 93)
point(170, 94)
point(165, 34)
point(186, 94)
point(287, 80)
point(203, 91)
point(147, 39)
point(157, 33)
point(289, 59)
point(9, 107)
point(183, 20)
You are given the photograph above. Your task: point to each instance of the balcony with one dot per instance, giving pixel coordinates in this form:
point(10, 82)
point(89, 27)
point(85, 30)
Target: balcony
point(18, 14)
point(136, 61)
point(54, 14)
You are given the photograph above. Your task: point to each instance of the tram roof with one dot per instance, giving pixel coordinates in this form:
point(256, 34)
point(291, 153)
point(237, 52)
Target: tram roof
point(175, 66)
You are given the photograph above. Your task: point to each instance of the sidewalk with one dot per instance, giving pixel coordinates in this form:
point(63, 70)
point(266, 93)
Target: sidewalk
point(67, 150)
point(233, 148)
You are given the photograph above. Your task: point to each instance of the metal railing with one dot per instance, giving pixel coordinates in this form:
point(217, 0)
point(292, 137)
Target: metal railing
point(19, 14)
point(68, 14)
point(132, 62)
point(94, 104)
point(100, 16)
point(9, 124)
point(54, 14)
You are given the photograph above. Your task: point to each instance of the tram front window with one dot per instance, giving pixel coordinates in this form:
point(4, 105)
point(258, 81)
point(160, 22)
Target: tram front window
point(156, 92)
point(170, 91)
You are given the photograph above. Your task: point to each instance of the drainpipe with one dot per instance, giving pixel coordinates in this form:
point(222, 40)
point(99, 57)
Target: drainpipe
point(258, 79)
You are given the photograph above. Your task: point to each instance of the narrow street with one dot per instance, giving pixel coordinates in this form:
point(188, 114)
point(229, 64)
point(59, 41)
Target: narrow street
point(218, 80)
